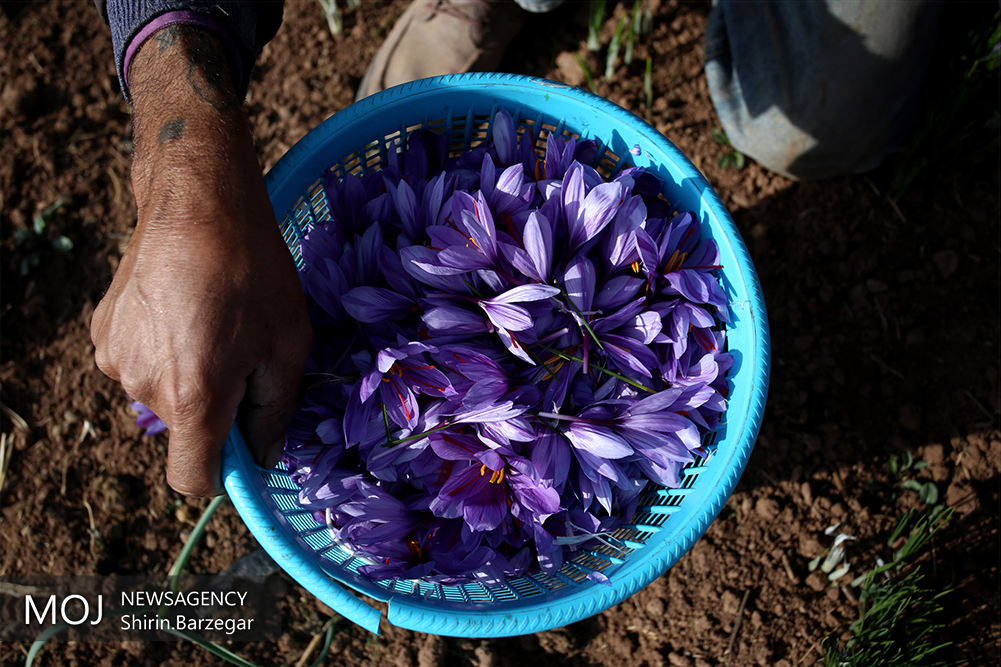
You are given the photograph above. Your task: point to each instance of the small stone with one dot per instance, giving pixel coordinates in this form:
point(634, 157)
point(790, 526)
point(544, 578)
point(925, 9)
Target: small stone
point(946, 261)
point(876, 286)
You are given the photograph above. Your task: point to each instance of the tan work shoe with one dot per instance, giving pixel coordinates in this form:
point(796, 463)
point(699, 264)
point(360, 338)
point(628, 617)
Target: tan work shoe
point(435, 37)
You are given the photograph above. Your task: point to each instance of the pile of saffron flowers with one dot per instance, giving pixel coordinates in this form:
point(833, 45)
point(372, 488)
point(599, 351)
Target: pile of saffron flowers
point(507, 351)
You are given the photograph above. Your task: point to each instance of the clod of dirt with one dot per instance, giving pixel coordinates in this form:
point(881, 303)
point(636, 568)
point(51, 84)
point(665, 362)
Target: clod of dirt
point(19, 96)
point(946, 261)
point(485, 657)
point(807, 491)
point(767, 509)
point(678, 660)
point(432, 653)
point(570, 69)
point(817, 581)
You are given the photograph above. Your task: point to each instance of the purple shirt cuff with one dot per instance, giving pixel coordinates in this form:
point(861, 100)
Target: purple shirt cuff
point(183, 18)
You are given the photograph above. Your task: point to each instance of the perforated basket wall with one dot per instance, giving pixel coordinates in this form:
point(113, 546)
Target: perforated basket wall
point(668, 522)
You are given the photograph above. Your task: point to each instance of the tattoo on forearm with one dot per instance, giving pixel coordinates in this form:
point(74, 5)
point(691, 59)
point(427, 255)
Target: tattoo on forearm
point(167, 37)
point(171, 130)
point(208, 66)
point(207, 73)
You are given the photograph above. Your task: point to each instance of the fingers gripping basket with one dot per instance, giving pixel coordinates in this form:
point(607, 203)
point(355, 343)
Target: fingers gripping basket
point(668, 522)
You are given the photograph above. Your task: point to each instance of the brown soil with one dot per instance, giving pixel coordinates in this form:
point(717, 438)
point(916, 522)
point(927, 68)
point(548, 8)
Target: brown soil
point(884, 330)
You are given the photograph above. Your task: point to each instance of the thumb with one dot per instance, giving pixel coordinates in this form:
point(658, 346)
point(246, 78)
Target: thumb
point(197, 434)
point(268, 407)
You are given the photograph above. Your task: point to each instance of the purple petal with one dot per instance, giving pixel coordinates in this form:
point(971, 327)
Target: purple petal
point(598, 440)
point(507, 316)
point(505, 138)
point(578, 280)
point(616, 292)
point(399, 401)
point(596, 211)
point(453, 319)
point(465, 258)
point(524, 293)
point(629, 353)
point(375, 304)
point(407, 208)
point(598, 577)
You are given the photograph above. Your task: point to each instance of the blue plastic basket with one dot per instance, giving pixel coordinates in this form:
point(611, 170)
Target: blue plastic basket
point(668, 522)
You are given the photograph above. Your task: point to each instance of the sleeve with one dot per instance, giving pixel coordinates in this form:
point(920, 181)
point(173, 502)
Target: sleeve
point(245, 27)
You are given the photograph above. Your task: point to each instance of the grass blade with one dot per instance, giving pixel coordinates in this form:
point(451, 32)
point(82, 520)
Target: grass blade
point(634, 27)
point(595, 19)
point(196, 535)
point(613, 49)
point(45, 636)
point(212, 648)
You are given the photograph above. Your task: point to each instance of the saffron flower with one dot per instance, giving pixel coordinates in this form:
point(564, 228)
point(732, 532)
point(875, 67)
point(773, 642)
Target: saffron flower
point(147, 420)
point(509, 348)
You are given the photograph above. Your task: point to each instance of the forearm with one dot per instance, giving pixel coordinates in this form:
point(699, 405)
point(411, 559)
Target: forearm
point(187, 113)
point(244, 27)
point(205, 318)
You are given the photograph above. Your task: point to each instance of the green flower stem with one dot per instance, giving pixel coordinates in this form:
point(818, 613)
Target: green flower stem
point(569, 357)
point(582, 319)
point(417, 436)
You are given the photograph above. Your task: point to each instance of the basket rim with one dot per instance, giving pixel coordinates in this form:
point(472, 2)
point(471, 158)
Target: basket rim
point(535, 614)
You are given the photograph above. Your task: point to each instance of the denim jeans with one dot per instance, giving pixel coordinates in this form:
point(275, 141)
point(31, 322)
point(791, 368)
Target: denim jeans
point(814, 88)
point(817, 89)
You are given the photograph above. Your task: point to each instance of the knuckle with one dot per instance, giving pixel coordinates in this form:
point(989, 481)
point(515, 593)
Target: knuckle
point(104, 363)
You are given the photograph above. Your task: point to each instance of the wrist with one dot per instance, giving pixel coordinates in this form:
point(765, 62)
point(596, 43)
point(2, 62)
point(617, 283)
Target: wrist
point(184, 93)
point(190, 133)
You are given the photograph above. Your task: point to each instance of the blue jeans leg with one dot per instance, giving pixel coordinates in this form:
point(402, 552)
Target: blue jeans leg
point(817, 89)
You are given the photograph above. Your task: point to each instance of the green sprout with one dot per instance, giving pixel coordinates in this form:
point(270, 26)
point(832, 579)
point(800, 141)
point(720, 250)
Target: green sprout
point(333, 14)
point(899, 467)
point(37, 238)
point(634, 26)
point(587, 73)
point(613, 49)
point(899, 619)
point(733, 157)
point(595, 19)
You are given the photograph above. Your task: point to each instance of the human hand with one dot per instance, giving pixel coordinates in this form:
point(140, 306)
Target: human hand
point(205, 320)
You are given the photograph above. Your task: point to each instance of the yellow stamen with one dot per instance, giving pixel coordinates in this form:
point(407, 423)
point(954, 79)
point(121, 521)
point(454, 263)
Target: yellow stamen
point(635, 266)
point(677, 259)
point(483, 469)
